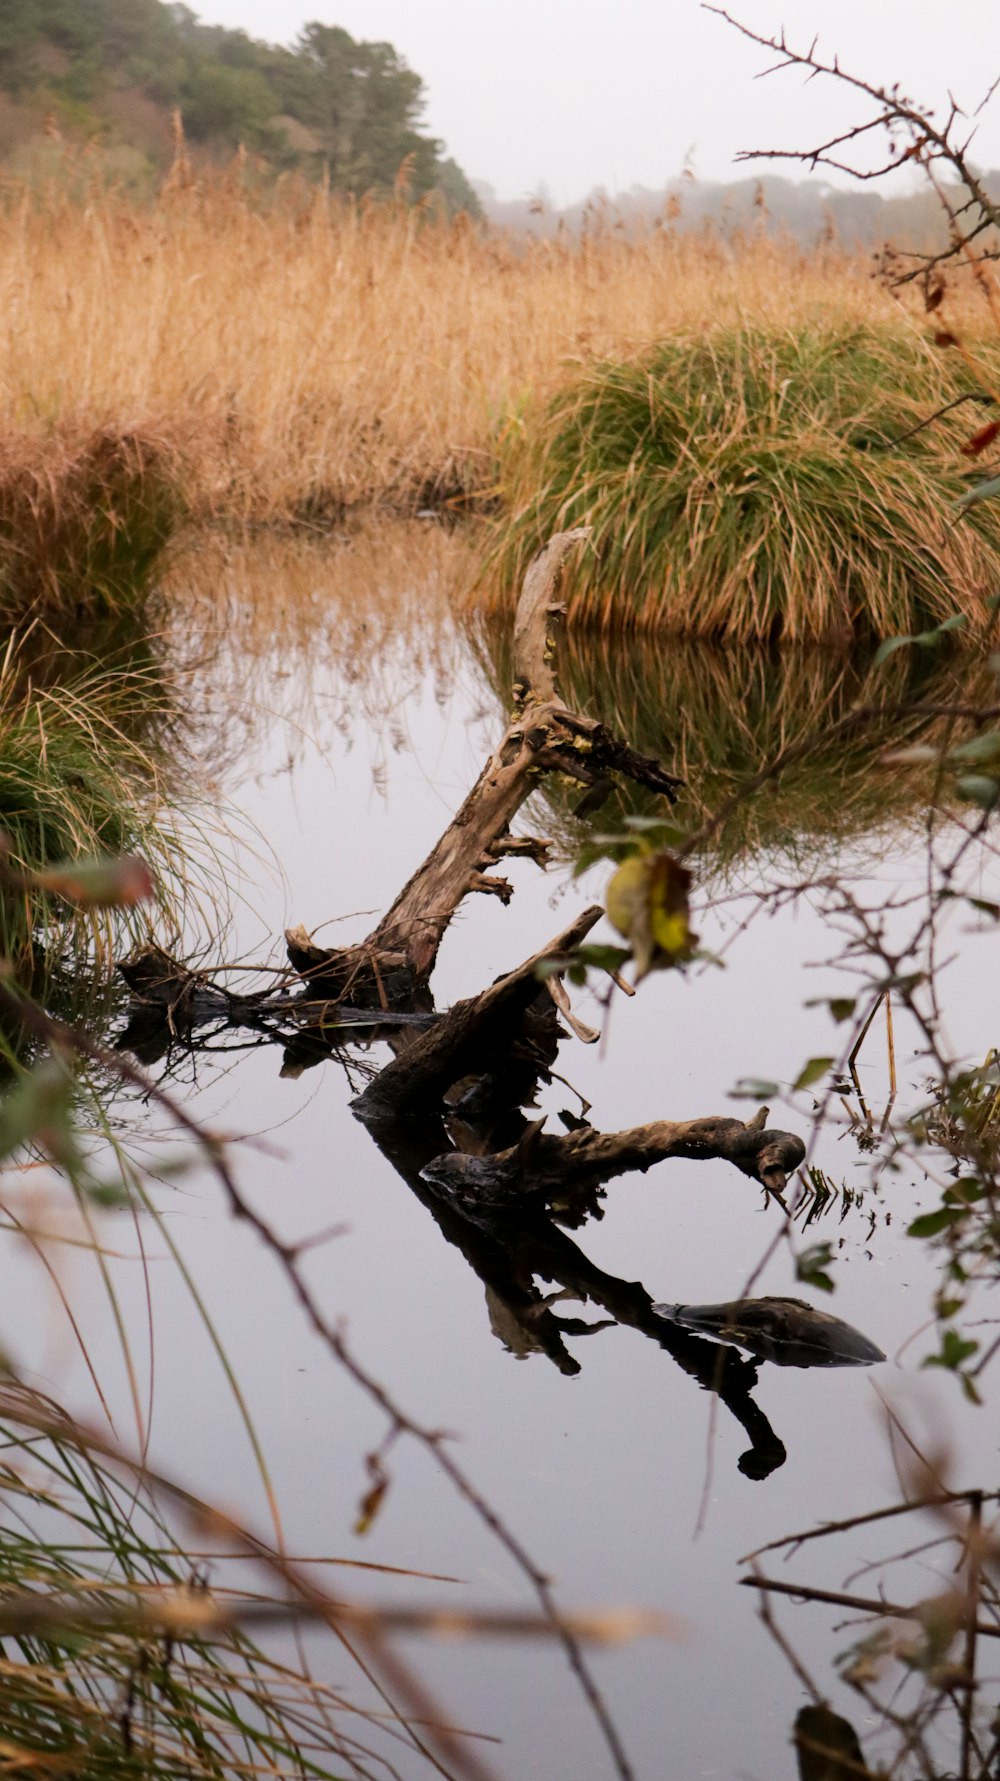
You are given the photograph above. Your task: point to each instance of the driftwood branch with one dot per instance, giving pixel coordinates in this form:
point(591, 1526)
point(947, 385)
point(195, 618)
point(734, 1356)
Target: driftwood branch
point(474, 1038)
point(544, 1166)
point(544, 736)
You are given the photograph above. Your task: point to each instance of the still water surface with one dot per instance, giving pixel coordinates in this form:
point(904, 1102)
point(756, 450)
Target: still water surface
point(621, 1481)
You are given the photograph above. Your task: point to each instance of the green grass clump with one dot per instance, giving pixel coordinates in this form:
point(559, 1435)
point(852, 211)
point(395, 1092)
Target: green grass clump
point(742, 485)
point(83, 524)
point(84, 771)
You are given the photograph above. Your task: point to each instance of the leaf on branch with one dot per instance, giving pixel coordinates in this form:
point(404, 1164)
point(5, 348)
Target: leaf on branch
point(954, 1350)
point(812, 1266)
point(984, 747)
point(923, 639)
point(647, 901)
point(931, 1224)
point(38, 1110)
point(977, 788)
point(812, 1071)
point(754, 1088)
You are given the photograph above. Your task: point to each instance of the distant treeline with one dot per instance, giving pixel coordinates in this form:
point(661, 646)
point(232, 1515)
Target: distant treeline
point(116, 70)
point(809, 211)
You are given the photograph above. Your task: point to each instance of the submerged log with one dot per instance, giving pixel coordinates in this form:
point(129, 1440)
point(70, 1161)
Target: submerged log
point(545, 1166)
point(544, 736)
point(786, 1331)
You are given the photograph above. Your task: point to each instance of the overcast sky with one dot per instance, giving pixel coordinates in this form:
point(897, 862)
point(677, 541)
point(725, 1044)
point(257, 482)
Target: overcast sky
point(575, 94)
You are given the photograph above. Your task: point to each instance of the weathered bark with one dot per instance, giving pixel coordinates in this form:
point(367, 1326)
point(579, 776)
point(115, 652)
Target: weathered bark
point(474, 1038)
point(545, 1166)
point(544, 736)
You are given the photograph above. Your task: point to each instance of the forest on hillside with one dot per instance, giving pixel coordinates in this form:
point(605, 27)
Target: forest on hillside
point(115, 71)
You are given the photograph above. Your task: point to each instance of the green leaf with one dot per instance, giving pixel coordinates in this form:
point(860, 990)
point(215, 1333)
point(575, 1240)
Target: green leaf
point(888, 648)
point(965, 1192)
point(980, 903)
point(841, 1007)
point(954, 623)
point(955, 1349)
point(975, 788)
point(547, 968)
point(812, 1071)
point(109, 1195)
point(752, 1088)
point(37, 1110)
point(812, 1264)
point(931, 1224)
point(984, 747)
point(604, 958)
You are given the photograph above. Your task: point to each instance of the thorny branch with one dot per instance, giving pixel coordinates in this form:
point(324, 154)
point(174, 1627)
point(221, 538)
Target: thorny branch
point(929, 143)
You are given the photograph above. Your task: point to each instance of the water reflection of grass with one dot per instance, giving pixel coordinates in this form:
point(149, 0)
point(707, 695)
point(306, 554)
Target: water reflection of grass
point(319, 631)
point(717, 716)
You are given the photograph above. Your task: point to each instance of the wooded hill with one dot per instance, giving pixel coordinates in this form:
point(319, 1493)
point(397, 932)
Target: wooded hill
point(115, 71)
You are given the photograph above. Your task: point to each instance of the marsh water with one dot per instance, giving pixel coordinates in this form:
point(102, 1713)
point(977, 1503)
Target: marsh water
point(334, 740)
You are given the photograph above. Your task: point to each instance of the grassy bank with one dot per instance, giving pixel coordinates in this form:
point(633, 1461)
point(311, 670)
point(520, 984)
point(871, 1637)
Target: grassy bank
point(746, 484)
point(84, 519)
point(320, 355)
point(716, 407)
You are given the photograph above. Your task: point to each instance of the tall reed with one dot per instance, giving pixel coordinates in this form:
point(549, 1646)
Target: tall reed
point(314, 354)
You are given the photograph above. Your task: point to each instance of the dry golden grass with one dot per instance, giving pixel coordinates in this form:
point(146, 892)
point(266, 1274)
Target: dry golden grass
point(316, 355)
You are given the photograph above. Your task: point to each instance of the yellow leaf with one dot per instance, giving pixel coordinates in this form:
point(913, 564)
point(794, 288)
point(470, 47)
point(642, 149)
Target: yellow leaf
point(647, 901)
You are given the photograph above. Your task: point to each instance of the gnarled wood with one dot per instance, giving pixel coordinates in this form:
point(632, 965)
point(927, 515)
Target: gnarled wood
point(545, 1166)
point(473, 1038)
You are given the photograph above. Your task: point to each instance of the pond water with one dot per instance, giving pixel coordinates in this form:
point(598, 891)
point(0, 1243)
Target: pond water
point(339, 762)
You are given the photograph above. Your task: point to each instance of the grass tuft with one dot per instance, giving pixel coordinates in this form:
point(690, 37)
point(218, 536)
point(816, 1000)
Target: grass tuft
point(84, 771)
point(742, 485)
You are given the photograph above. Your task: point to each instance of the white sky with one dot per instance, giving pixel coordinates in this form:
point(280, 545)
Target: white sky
point(582, 93)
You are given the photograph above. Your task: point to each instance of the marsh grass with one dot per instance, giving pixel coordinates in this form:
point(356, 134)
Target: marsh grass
point(129, 1703)
point(742, 486)
point(310, 356)
point(88, 766)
